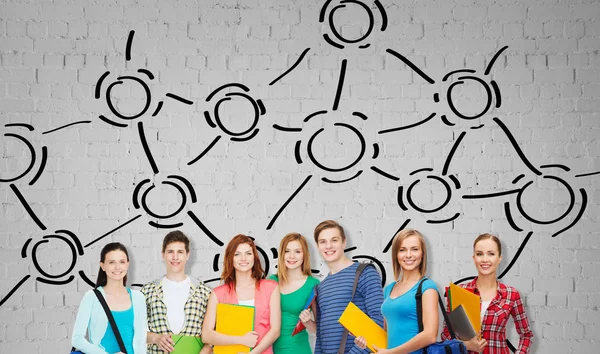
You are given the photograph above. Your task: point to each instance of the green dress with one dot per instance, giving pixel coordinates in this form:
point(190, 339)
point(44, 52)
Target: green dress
point(291, 306)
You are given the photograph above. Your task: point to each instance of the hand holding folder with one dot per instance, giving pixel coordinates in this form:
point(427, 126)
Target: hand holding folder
point(309, 302)
point(359, 324)
point(470, 302)
point(234, 320)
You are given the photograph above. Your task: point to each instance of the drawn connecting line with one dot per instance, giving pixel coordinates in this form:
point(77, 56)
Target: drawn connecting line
point(341, 40)
point(332, 174)
point(215, 120)
point(122, 119)
point(490, 87)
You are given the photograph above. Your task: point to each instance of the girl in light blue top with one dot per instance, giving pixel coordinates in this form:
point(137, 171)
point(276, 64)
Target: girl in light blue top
point(128, 308)
point(399, 308)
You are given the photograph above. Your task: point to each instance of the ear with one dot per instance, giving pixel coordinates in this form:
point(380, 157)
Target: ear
point(102, 266)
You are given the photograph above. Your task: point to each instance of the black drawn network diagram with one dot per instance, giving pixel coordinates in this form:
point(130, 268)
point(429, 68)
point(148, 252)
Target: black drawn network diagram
point(513, 201)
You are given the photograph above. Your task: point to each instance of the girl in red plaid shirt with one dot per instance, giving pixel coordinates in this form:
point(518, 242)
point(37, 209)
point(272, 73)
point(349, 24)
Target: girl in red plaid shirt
point(498, 303)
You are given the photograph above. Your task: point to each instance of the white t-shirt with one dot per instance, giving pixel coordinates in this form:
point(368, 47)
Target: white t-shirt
point(175, 295)
point(484, 307)
point(246, 302)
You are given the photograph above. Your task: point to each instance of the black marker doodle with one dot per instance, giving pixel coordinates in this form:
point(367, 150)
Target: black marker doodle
point(48, 277)
point(332, 174)
point(215, 119)
point(20, 132)
point(122, 119)
point(490, 87)
point(360, 42)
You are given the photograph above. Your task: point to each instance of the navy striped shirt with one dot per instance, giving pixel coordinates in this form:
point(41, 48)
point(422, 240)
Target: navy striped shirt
point(333, 295)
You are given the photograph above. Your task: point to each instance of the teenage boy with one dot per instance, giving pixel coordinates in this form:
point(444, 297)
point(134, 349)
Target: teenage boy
point(335, 292)
point(175, 303)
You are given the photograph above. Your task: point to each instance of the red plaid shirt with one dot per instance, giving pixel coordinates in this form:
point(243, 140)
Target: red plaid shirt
point(493, 326)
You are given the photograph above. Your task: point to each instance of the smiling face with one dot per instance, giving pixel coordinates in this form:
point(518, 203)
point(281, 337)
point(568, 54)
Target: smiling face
point(243, 258)
point(486, 257)
point(331, 244)
point(175, 256)
point(115, 265)
point(410, 254)
point(294, 255)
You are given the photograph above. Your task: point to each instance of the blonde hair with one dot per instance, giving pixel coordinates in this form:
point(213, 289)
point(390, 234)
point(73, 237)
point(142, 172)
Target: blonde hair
point(398, 239)
point(281, 269)
point(487, 236)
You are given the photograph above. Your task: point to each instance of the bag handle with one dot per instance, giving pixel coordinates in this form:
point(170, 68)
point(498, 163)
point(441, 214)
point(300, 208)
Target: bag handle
point(359, 270)
point(111, 319)
point(418, 297)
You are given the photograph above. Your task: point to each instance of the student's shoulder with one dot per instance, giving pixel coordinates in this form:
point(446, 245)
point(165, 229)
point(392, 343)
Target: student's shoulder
point(150, 287)
point(273, 277)
point(312, 281)
point(138, 295)
point(428, 284)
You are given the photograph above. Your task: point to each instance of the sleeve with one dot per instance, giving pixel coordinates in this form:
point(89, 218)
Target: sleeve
point(317, 320)
point(145, 290)
point(521, 324)
point(84, 315)
point(141, 323)
point(369, 286)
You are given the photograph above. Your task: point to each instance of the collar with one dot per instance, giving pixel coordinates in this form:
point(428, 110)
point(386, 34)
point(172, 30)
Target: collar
point(500, 289)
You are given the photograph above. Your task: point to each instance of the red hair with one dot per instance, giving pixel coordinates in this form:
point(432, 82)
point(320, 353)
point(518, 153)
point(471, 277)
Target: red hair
point(228, 274)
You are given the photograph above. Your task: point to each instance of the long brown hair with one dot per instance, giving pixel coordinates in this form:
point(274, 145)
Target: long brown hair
point(398, 239)
point(281, 269)
point(228, 274)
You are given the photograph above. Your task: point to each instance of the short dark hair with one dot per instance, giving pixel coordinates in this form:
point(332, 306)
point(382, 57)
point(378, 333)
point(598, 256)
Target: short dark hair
point(328, 224)
point(176, 236)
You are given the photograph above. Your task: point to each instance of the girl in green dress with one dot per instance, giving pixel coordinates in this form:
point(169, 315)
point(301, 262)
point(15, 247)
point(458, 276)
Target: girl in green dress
point(295, 284)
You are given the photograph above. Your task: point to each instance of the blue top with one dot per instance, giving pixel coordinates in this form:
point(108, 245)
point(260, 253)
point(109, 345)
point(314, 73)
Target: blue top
point(401, 314)
point(333, 295)
point(124, 321)
point(91, 324)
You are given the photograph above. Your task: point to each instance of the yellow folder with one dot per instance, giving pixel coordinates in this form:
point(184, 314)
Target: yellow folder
point(471, 303)
point(359, 324)
point(234, 320)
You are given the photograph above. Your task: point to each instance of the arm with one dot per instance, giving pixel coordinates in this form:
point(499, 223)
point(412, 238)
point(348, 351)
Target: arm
point(274, 321)
point(430, 325)
point(308, 321)
point(140, 322)
point(521, 325)
point(369, 287)
point(84, 314)
point(210, 336)
point(163, 341)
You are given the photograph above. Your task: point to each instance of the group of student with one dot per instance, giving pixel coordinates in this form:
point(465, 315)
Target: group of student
point(178, 304)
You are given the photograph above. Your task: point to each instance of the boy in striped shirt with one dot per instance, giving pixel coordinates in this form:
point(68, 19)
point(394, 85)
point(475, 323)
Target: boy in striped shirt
point(335, 292)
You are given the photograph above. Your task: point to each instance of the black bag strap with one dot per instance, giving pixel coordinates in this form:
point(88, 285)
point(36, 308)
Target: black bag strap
point(111, 319)
point(359, 270)
point(418, 297)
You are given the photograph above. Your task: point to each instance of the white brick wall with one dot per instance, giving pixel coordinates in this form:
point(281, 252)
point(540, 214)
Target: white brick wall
point(53, 53)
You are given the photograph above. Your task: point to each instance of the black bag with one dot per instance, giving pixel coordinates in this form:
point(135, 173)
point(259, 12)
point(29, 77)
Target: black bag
point(359, 270)
point(112, 322)
point(452, 346)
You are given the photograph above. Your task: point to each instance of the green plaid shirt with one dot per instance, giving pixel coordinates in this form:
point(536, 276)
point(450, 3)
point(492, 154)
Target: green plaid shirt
point(195, 308)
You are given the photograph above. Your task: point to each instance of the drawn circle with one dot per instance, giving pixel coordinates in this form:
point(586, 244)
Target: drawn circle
point(228, 98)
point(31, 152)
point(545, 222)
point(478, 80)
point(158, 216)
point(36, 264)
point(112, 107)
point(331, 169)
point(338, 35)
point(423, 210)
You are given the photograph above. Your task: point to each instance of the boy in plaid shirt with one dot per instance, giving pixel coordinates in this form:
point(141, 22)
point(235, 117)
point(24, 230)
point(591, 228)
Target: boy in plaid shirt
point(175, 303)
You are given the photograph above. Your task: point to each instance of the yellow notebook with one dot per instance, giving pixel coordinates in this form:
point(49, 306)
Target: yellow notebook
point(359, 324)
point(234, 320)
point(470, 302)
